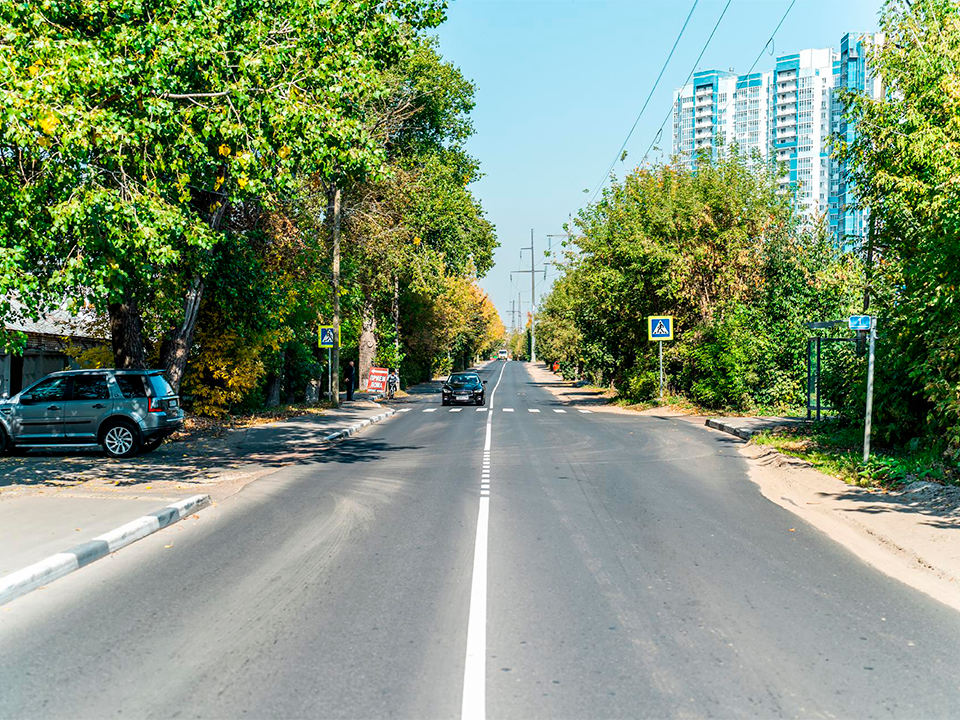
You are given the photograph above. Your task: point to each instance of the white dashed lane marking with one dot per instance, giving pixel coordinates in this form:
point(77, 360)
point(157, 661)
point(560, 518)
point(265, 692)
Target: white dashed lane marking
point(483, 409)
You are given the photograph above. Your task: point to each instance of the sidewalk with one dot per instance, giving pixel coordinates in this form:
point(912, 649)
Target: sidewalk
point(55, 499)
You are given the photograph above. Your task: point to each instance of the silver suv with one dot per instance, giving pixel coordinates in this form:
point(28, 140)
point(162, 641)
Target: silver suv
point(125, 411)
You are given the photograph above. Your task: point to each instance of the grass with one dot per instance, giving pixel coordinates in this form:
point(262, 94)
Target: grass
point(838, 450)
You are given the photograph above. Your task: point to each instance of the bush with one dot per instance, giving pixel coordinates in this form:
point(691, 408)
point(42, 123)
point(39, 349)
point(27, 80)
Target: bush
point(718, 366)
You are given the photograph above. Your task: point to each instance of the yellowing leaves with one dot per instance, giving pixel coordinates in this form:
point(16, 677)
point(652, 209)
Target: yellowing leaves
point(242, 181)
point(219, 182)
point(284, 152)
point(48, 123)
point(224, 150)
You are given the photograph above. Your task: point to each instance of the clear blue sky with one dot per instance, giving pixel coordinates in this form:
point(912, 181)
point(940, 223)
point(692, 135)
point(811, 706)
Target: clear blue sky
point(559, 84)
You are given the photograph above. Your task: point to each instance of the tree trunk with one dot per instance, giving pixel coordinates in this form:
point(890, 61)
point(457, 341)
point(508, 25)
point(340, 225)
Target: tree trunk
point(368, 339)
point(176, 347)
point(126, 332)
point(175, 350)
point(396, 315)
point(335, 238)
point(272, 398)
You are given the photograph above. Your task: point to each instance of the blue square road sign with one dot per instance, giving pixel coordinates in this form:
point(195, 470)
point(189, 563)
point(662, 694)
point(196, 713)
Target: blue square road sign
point(660, 327)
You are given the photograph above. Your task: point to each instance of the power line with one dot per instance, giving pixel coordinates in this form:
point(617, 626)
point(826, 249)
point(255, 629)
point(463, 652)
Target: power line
point(692, 70)
point(737, 88)
point(760, 55)
point(645, 103)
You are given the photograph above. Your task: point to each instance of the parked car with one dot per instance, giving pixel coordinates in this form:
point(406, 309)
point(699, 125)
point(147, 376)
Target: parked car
point(125, 411)
point(464, 388)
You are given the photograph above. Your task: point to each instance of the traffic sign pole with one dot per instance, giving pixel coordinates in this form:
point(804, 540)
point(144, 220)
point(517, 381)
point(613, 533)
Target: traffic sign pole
point(869, 415)
point(661, 370)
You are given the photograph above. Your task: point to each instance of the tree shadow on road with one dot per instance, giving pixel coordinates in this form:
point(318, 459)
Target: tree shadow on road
point(190, 464)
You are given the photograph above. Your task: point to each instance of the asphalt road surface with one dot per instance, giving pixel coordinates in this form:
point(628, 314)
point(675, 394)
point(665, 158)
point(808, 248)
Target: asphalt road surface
point(626, 568)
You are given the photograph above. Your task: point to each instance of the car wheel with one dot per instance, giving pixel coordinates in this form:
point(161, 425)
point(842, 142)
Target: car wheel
point(483, 400)
point(120, 440)
point(444, 403)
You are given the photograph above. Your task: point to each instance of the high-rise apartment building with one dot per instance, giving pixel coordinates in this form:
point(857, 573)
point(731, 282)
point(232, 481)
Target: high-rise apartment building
point(848, 221)
point(788, 115)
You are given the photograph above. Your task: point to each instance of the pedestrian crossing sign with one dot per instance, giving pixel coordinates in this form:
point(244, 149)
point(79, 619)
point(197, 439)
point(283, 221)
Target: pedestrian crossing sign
point(660, 327)
point(326, 339)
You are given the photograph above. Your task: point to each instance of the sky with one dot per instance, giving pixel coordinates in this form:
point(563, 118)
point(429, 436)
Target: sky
point(561, 82)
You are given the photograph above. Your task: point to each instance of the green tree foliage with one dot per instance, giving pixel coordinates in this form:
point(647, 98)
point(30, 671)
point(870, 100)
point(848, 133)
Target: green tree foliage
point(133, 133)
point(719, 250)
point(170, 163)
point(906, 160)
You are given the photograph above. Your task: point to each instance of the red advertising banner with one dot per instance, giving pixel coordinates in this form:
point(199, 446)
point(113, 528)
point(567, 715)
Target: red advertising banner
point(378, 380)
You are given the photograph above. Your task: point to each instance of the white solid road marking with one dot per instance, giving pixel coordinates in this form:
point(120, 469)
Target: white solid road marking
point(430, 410)
point(474, 703)
point(508, 409)
point(455, 409)
point(587, 412)
point(559, 411)
point(481, 409)
point(405, 409)
point(532, 410)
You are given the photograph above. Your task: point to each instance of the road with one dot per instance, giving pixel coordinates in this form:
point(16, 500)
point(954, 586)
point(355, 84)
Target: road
point(631, 570)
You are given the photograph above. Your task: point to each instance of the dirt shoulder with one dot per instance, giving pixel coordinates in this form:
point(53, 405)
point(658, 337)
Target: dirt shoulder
point(912, 536)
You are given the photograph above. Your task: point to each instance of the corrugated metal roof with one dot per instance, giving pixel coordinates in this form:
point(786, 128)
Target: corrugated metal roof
point(60, 322)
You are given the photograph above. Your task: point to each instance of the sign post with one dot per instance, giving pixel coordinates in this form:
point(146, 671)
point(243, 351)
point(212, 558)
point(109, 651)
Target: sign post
point(660, 328)
point(865, 322)
point(326, 337)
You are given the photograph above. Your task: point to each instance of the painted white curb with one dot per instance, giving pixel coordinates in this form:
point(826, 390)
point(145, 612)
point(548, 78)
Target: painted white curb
point(348, 431)
point(56, 566)
point(739, 432)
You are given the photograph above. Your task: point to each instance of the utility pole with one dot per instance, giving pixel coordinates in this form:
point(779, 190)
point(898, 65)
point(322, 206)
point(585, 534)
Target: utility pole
point(533, 304)
point(533, 297)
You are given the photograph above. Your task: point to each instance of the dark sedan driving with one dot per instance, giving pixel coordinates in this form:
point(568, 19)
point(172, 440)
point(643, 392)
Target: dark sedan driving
point(464, 388)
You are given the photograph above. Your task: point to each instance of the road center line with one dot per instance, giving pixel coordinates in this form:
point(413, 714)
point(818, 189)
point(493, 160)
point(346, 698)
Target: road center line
point(474, 705)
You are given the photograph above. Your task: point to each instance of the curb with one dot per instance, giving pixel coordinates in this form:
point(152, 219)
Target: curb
point(348, 431)
point(56, 566)
point(739, 432)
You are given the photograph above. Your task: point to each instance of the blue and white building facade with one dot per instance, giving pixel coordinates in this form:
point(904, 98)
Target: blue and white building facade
point(786, 115)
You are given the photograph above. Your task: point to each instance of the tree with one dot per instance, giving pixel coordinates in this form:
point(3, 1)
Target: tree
point(133, 136)
point(906, 168)
point(721, 250)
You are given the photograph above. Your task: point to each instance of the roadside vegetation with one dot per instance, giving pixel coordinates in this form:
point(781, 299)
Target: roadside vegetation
point(214, 181)
point(723, 252)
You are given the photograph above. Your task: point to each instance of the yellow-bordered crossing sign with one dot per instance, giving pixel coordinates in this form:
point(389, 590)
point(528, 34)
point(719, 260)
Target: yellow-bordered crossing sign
point(326, 336)
point(660, 327)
